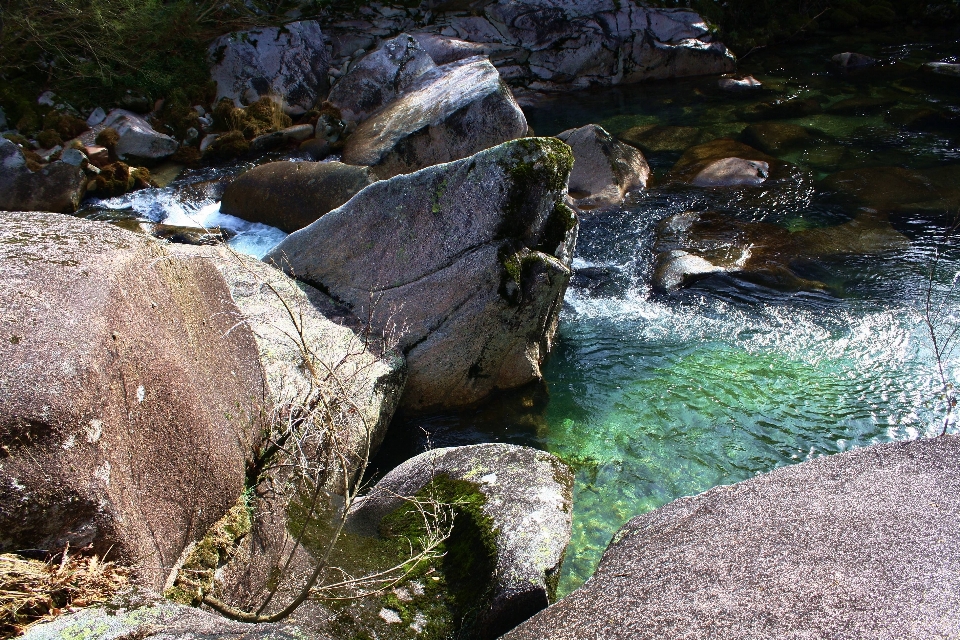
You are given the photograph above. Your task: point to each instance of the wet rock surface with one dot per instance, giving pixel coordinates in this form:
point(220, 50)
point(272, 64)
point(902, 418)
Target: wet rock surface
point(746, 560)
point(466, 262)
point(529, 502)
point(291, 195)
point(692, 245)
point(119, 429)
point(604, 169)
point(449, 113)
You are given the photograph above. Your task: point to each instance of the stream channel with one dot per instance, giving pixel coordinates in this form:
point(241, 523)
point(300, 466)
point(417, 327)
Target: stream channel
point(652, 396)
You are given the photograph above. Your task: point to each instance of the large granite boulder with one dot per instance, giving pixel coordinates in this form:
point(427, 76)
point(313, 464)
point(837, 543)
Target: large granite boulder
point(466, 263)
point(322, 364)
point(604, 169)
point(158, 620)
point(291, 195)
point(528, 499)
point(132, 397)
point(379, 77)
point(289, 62)
point(58, 186)
point(691, 246)
point(138, 140)
point(449, 113)
point(856, 545)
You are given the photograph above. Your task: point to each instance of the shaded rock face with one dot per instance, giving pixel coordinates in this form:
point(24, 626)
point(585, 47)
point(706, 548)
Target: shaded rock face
point(290, 62)
point(852, 60)
point(291, 195)
point(466, 263)
point(131, 396)
point(825, 549)
point(692, 245)
point(380, 77)
point(159, 620)
point(138, 140)
point(58, 186)
point(450, 113)
point(604, 169)
point(529, 501)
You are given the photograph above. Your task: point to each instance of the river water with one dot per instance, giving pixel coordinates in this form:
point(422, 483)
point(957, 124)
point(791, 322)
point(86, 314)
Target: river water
point(653, 396)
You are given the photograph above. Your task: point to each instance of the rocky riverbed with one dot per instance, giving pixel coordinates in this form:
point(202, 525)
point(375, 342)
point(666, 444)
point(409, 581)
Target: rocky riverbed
point(727, 270)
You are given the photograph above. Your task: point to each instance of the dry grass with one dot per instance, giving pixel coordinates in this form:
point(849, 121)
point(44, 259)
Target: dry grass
point(32, 591)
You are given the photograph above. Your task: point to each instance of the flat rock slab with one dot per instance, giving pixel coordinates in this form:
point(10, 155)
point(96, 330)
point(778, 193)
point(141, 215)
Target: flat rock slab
point(449, 113)
point(528, 499)
point(863, 544)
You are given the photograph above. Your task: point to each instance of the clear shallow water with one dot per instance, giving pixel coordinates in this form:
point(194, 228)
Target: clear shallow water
point(650, 397)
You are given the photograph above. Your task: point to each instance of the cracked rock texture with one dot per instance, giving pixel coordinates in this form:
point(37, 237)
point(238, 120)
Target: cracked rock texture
point(604, 169)
point(529, 499)
point(379, 77)
point(862, 544)
point(547, 45)
point(290, 62)
point(464, 263)
point(131, 399)
point(450, 112)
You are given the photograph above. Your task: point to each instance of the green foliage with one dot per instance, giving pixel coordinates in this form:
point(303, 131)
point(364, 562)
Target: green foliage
point(93, 52)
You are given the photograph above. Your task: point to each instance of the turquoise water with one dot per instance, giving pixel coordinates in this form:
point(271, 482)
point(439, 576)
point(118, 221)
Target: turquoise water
point(650, 397)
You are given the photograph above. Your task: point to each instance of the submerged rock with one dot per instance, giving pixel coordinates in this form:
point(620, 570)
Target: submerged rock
point(732, 172)
point(466, 263)
point(776, 138)
point(950, 69)
point(58, 186)
point(291, 195)
point(132, 399)
point(604, 169)
point(825, 549)
point(852, 60)
point(898, 189)
point(662, 139)
point(289, 62)
point(449, 113)
point(529, 503)
point(724, 163)
point(691, 245)
point(380, 77)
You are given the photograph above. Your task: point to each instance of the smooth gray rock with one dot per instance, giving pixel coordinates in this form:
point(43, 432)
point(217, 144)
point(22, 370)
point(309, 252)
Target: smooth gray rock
point(380, 77)
point(295, 134)
point(139, 141)
point(96, 116)
point(58, 186)
point(291, 195)
point(529, 500)
point(449, 113)
point(443, 49)
point(732, 172)
point(943, 68)
point(740, 85)
point(159, 620)
point(290, 62)
point(862, 544)
point(604, 169)
point(466, 263)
